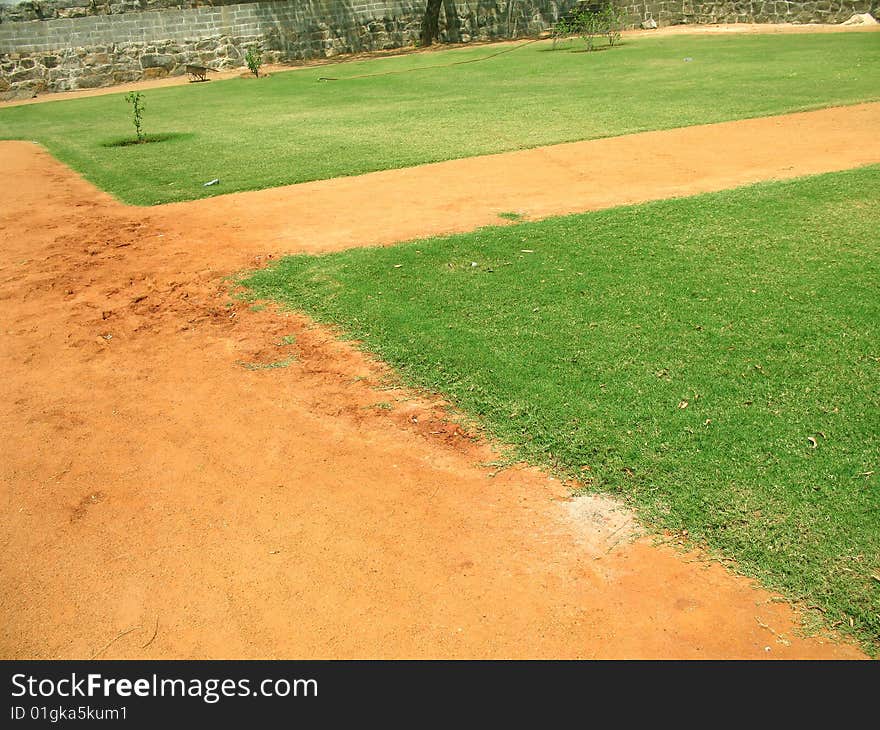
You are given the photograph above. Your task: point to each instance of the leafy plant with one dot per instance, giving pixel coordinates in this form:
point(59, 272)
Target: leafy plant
point(254, 59)
point(611, 20)
point(589, 23)
point(564, 28)
point(591, 26)
point(136, 99)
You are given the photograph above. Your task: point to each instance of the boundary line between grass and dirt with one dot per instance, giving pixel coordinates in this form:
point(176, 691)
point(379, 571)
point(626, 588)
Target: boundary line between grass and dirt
point(350, 322)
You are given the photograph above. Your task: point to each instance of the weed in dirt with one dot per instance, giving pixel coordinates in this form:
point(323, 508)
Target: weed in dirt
point(712, 360)
point(511, 216)
point(308, 130)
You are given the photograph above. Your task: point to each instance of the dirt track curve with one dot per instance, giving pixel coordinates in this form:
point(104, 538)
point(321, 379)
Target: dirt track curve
point(162, 500)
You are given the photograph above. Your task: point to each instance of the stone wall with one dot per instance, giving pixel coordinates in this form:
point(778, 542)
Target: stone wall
point(677, 12)
point(18, 10)
point(74, 49)
point(56, 45)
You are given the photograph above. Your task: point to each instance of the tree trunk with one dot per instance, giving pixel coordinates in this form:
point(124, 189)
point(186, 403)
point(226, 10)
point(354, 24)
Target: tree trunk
point(431, 22)
point(453, 26)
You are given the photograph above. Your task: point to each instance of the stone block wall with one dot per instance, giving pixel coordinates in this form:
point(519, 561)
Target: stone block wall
point(81, 44)
point(677, 12)
point(56, 45)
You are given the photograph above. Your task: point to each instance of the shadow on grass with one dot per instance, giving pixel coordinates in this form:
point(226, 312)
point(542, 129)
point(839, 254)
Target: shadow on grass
point(596, 49)
point(148, 139)
point(567, 46)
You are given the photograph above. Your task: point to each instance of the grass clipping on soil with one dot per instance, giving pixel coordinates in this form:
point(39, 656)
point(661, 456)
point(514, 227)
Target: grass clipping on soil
point(713, 360)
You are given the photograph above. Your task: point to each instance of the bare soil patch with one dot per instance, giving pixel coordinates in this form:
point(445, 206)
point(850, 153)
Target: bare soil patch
point(162, 499)
point(460, 195)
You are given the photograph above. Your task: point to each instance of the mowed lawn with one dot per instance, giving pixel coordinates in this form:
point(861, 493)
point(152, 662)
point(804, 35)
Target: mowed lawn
point(714, 360)
point(292, 127)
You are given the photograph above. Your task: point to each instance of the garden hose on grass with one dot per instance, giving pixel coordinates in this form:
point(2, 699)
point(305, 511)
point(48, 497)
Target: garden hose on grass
point(441, 65)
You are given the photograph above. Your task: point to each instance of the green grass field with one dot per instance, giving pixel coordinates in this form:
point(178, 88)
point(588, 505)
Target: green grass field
point(713, 360)
point(292, 128)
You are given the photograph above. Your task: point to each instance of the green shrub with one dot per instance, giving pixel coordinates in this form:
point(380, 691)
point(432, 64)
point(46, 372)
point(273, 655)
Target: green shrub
point(588, 24)
point(254, 59)
point(564, 28)
point(136, 99)
point(611, 20)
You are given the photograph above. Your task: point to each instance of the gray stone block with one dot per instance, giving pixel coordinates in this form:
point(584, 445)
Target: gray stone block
point(150, 60)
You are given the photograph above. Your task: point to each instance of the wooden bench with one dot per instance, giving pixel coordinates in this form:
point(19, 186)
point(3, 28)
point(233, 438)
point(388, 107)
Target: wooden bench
point(197, 73)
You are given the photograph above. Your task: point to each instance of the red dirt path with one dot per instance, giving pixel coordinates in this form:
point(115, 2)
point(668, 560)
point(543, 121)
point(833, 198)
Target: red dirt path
point(161, 500)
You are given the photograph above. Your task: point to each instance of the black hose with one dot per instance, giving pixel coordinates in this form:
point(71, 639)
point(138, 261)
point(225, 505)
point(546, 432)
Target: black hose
point(425, 68)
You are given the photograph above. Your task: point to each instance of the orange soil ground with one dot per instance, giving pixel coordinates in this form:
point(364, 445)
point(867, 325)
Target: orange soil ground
point(161, 500)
